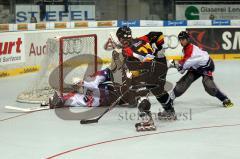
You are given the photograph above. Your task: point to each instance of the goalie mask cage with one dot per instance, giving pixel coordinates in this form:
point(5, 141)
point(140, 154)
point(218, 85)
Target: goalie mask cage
point(67, 57)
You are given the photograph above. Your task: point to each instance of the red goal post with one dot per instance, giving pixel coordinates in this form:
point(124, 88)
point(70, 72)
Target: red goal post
point(63, 54)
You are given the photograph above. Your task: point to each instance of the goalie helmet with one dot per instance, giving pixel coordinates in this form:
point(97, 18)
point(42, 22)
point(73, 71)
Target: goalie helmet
point(124, 33)
point(183, 35)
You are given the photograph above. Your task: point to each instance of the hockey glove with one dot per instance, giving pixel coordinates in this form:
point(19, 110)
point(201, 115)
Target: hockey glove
point(180, 69)
point(129, 74)
point(148, 58)
point(172, 64)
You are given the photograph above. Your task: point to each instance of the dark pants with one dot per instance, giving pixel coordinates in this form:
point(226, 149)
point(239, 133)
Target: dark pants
point(207, 79)
point(152, 73)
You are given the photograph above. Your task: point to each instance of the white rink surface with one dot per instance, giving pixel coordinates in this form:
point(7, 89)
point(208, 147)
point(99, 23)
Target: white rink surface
point(211, 131)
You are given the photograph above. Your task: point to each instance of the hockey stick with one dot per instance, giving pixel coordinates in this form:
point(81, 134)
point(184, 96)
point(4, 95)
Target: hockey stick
point(31, 109)
point(132, 88)
point(115, 40)
point(89, 121)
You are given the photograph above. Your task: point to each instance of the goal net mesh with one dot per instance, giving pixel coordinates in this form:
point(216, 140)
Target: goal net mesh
point(67, 57)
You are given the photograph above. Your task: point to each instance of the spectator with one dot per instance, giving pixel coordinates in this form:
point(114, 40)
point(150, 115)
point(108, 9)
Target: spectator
point(33, 19)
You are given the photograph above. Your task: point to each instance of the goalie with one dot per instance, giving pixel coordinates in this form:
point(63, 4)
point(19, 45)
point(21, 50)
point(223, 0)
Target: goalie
point(97, 92)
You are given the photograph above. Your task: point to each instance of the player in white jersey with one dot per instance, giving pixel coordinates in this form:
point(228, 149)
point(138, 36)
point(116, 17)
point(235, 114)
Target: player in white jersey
point(96, 92)
point(197, 63)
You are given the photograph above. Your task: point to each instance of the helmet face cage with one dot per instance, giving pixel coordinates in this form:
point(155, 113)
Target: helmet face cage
point(124, 33)
point(183, 35)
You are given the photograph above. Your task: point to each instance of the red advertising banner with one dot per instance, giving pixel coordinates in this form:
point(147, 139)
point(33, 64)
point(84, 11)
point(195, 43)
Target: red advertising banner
point(12, 49)
point(217, 40)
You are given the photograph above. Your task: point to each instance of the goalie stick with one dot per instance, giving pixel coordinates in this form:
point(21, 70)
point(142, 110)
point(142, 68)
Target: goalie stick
point(31, 109)
point(136, 88)
point(115, 41)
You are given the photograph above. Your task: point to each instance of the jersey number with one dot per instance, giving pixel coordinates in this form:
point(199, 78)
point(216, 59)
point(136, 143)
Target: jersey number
point(145, 49)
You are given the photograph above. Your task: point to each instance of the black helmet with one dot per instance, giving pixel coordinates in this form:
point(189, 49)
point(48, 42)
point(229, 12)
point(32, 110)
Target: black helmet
point(124, 32)
point(183, 35)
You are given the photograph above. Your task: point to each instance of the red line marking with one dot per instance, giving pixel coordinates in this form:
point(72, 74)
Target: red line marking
point(15, 116)
point(137, 136)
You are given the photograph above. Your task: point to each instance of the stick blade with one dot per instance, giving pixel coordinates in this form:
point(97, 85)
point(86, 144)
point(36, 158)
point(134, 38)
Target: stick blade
point(16, 108)
point(31, 109)
point(88, 121)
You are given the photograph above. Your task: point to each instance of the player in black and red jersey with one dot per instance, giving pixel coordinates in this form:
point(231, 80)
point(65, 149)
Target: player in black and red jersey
point(146, 56)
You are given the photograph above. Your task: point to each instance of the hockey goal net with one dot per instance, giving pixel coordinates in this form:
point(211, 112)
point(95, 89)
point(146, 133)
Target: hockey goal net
point(67, 57)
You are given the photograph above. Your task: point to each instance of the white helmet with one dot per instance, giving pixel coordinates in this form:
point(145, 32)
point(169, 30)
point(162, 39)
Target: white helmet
point(75, 80)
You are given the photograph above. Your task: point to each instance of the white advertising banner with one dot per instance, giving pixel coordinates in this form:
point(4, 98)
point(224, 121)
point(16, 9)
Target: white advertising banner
point(12, 49)
point(33, 44)
point(55, 13)
point(206, 12)
point(151, 23)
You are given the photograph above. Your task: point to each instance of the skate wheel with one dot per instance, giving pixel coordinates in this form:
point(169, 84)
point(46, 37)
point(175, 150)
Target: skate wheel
point(148, 128)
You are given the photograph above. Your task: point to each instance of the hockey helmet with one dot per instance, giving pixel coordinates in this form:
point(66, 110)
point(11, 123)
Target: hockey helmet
point(183, 35)
point(124, 32)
